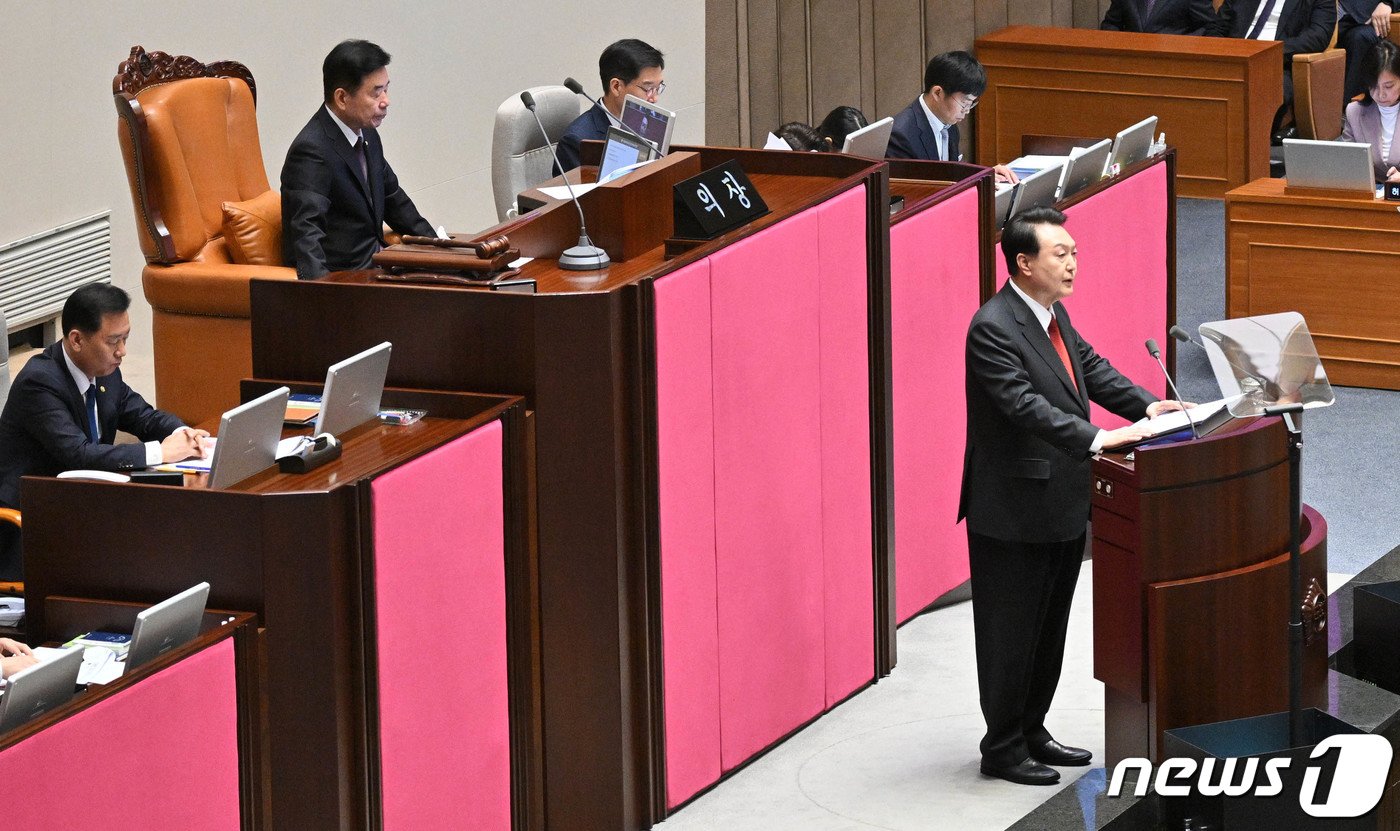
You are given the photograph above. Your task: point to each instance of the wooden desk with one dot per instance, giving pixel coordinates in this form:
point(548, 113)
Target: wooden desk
point(712, 463)
point(395, 589)
point(1334, 260)
point(175, 738)
point(1215, 97)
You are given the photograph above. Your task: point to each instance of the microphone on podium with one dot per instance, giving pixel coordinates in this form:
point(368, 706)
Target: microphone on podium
point(577, 89)
point(1157, 356)
point(585, 256)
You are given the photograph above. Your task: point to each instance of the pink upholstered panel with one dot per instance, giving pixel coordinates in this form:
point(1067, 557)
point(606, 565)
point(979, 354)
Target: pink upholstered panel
point(439, 555)
point(160, 754)
point(1120, 294)
point(934, 272)
point(685, 428)
point(1122, 236)
point(845, 446)
point(768, 501)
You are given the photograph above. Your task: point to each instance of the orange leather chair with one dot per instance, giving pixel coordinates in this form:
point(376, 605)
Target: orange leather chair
point(1318, 81)
point(206, 218)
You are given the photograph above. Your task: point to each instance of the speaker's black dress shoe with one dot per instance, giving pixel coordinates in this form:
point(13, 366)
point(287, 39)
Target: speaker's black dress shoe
point(1054, 753)
point(1026, 772)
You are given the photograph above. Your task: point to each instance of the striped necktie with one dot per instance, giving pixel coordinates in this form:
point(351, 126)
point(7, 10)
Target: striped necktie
point(91, 399)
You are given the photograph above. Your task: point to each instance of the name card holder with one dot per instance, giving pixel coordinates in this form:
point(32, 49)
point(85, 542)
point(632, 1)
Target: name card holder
point(715, 202)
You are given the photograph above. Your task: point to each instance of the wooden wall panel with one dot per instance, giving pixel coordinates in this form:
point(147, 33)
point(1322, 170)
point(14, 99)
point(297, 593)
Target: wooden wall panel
point(773, 61)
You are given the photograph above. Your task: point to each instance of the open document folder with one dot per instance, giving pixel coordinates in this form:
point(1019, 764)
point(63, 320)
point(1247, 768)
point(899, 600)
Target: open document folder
point(1207, 416)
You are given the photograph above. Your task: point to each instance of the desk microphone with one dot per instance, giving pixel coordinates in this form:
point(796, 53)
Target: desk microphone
point(577, 89)
point(585, 256)
point(1157, 355)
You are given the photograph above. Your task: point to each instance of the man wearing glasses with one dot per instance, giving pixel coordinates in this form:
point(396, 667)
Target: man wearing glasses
point(928, 128)
point(628, 67)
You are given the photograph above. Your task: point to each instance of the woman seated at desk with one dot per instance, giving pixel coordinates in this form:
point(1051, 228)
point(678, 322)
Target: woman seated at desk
point(1372, 119)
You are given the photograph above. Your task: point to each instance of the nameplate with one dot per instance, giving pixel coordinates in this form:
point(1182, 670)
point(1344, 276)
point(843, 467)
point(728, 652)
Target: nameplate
point(1391, 191)
point(716, 201)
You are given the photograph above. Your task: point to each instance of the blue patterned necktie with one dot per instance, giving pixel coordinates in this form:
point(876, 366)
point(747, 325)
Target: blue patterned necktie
point(92, 412)
point(1263, 18)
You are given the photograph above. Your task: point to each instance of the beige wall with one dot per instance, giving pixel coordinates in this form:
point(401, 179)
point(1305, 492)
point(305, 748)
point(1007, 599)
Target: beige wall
point(773, 61)
point(454, 63)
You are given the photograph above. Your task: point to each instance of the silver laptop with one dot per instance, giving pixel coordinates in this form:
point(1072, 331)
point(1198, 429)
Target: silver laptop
point(1134, 144)
point(247, 440)
point(1006, 194)
point(871, 140)
point(167, 625)
point(354, 388)
point(1085, 169)
point(1037, 190)
point(35, 690)
point(1339, 165)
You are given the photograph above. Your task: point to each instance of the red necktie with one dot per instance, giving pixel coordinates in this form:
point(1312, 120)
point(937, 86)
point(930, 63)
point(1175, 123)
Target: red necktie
point(1059, 343)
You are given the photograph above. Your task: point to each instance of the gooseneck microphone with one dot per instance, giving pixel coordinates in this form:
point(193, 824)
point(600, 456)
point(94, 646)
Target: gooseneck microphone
point(577, 89)
point(585, 256)
point(1157, 356)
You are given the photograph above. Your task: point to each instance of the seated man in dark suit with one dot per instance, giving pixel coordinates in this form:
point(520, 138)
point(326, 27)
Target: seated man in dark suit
point(1302, 25)
point(1159, 17)
point(337, 188)
point(69, 401)
point(928, 128)
point(628, 66)
point(1361, 24)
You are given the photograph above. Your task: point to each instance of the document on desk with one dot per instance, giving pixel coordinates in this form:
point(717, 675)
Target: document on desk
point(1175, 420)
point(562, 193)
point(100, 665)
point(1027, 165)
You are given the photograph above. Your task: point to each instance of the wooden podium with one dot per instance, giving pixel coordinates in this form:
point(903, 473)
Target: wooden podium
point(1191, 585)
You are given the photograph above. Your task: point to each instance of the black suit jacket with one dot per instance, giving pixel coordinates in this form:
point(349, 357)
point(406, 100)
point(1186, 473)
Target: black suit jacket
point(43, 429)
point(332, 219)
point(911, 137)
point(1169, 17)
point(591, 125)
point(1359, 11)
point(1026, 472)
point(1303, 25)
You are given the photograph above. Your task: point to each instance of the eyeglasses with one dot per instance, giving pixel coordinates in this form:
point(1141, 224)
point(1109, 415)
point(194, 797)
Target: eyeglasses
point(968, 103)
point(652, 89)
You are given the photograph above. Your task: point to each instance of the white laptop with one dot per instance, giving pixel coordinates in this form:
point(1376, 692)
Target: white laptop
point(354, 388)
point(1085, 168)
point(1133, 144)
point(247, 441)
point(653, 123)
point(168, 625)
point(871, 140)
point(1338, 165)
point(1036, 190)
point(35, 690)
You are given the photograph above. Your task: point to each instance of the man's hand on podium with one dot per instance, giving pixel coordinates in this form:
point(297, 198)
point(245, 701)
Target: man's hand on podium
point(1156, 408)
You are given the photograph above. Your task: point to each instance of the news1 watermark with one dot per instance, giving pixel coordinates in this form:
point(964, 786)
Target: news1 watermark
point(1344, 776)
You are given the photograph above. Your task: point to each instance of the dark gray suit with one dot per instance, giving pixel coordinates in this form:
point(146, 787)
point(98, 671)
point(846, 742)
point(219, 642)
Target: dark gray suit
point(911, 137)
point(1025, 497)
point(332, 219)
point(1168, 17)
point(1355, 35)
point(43, 430)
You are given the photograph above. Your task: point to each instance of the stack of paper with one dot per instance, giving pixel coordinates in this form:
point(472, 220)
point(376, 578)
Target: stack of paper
point(11, 610)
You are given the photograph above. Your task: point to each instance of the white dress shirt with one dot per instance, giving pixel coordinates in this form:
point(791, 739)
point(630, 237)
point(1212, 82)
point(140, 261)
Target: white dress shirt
point(350, 135)
point(940, 131)
point(1270, 30)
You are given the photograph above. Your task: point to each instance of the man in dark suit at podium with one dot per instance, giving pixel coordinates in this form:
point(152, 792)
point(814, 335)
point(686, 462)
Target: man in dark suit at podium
point(928, 128)
point(628, 66)
point(69, 401)
point(337, 188)
point(1159, 17)
point(1025, 488)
